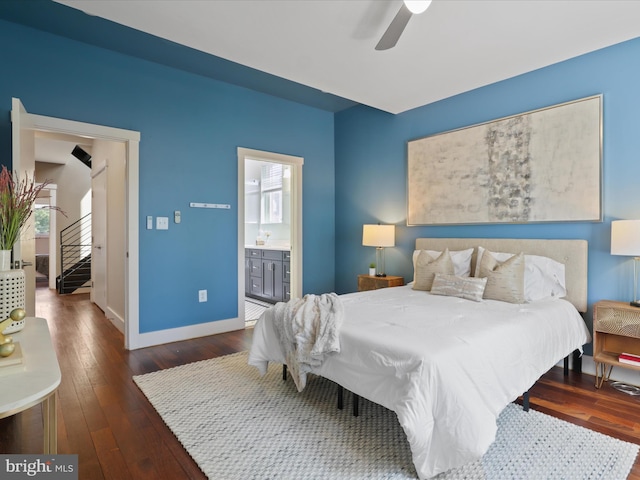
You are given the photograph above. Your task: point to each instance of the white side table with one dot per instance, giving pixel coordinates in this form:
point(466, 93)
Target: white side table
point(34, 381)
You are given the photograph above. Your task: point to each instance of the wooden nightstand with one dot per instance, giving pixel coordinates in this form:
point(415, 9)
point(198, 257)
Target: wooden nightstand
point(367, 282)
point(616, 329)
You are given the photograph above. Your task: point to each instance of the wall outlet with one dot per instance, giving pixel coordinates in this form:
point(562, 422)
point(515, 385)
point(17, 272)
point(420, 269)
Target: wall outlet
point(202, 296)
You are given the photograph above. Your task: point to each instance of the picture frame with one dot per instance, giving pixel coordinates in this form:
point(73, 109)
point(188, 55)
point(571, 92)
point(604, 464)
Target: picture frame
point(543, 165)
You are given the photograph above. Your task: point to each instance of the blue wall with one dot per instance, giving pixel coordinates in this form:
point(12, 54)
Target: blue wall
point(371, 164)
point(190, 128)
point(355, 163)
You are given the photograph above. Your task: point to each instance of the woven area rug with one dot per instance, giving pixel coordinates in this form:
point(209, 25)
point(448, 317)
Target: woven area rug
point(237, 426)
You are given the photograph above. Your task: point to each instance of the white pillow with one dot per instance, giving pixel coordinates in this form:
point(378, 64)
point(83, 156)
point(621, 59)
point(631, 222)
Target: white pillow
point(543, 276)
point(461, 261)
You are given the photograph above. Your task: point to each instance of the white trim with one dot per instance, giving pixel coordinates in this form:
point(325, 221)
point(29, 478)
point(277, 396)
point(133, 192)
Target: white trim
point(115, 319)
point(52, 188)
point(132, 272)
point(188, 332)
point(131, 139)
point(296, 218)
point(102, 169)
point(53, 237)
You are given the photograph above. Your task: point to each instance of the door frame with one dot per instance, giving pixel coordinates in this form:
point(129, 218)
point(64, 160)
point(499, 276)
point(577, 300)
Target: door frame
point(100, 300)
point(53, 238)
point(52, 189)
point(131, 139)
point(296, 164)
point(23, 163)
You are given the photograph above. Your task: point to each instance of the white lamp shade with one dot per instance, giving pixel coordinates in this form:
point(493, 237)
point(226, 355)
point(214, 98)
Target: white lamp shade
point(625, 237)
point(379, 235)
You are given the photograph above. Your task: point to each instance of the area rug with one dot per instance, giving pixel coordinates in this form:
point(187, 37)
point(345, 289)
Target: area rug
point(237, 426)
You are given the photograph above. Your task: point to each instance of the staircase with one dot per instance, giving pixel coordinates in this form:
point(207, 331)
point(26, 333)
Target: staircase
point(75, 256)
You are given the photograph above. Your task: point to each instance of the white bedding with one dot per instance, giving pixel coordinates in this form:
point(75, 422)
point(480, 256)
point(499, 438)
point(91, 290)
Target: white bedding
point(446, 366)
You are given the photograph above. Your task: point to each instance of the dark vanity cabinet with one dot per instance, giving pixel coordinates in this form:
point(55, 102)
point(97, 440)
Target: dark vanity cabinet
point(267, 274)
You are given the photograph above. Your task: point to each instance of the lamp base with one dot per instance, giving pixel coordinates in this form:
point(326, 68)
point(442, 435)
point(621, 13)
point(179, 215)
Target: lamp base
point(635, 304)
point(384, 275)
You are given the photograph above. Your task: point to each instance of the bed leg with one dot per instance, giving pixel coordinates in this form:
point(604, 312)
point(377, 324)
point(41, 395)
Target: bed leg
point(577, 361)
point(566, 365)
point(525, 401)
point(356, 406)
point(284, 372)
point(340, 397)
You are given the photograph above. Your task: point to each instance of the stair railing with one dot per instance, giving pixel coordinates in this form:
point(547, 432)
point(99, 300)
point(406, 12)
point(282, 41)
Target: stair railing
point(75, 255)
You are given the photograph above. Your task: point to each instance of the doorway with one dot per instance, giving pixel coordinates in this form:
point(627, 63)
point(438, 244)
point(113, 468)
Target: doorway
point(269, 218)
point(24, 127)
point(46, 245)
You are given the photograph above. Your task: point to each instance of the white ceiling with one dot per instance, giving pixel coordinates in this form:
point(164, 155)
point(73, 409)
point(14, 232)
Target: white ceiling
point(455, 46)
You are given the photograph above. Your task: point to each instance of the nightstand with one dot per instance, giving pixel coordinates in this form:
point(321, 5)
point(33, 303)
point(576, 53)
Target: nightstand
point(616, 329)
point(368, 282)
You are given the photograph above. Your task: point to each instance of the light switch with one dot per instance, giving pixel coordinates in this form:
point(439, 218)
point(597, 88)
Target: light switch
point(149, 222)
point(162, 223)
point(176, 216)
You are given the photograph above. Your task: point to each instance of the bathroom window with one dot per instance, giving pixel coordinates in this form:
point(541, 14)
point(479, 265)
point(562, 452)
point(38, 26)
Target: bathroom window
point(271, 193)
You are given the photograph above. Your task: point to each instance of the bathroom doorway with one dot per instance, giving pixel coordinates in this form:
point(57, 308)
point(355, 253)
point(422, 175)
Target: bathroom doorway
point(269, 231)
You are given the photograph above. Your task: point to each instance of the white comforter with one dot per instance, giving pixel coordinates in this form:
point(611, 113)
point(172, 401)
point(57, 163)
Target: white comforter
point(446, 366)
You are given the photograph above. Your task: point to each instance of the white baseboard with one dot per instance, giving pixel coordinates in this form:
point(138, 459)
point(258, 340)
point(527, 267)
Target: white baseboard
point(115, 319)
point(619, 374)
point(187, 333)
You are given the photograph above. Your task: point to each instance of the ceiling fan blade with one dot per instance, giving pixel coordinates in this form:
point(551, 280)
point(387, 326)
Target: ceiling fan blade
point(395, 29)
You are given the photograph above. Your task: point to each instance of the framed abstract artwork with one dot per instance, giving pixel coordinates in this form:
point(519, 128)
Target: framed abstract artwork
point(540, 166)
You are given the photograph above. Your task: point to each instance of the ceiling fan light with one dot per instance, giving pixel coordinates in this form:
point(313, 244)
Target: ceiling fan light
point(417, 6)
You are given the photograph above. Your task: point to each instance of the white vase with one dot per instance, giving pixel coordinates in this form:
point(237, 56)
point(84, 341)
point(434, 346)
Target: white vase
point(5, 260)
point(372, 272)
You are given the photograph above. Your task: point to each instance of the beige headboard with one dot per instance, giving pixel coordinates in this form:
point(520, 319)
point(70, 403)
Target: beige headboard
point(573, 253)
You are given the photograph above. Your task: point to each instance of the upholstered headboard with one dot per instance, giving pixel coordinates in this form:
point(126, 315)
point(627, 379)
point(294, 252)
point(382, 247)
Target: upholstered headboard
point(572, 253)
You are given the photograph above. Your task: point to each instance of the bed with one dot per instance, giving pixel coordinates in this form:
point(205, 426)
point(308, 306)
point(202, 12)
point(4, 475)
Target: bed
point(447, 366)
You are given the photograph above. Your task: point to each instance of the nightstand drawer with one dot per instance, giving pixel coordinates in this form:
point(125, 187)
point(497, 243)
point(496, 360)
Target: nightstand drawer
point(616, 330)
point(617, 318)
point(367, 282)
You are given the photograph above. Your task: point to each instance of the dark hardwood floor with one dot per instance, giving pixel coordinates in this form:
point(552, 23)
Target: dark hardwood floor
point(105, 419)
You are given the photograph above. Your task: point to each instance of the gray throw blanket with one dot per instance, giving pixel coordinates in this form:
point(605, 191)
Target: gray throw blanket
point(308, 331)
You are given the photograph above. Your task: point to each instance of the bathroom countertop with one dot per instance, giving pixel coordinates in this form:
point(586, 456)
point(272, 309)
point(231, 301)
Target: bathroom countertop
point(270, 247)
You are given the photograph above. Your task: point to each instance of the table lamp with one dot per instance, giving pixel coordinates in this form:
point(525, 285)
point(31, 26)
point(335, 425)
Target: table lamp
point(625, 240)
point(379, 236)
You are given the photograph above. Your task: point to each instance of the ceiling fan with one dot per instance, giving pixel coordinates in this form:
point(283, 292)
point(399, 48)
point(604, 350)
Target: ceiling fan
point(399, 22)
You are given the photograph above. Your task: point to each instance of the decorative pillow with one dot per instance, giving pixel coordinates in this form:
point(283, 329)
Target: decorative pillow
point(427, 267)
point(461, 260)
point(543, 276)
point(463, 287)
point(505, 280)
